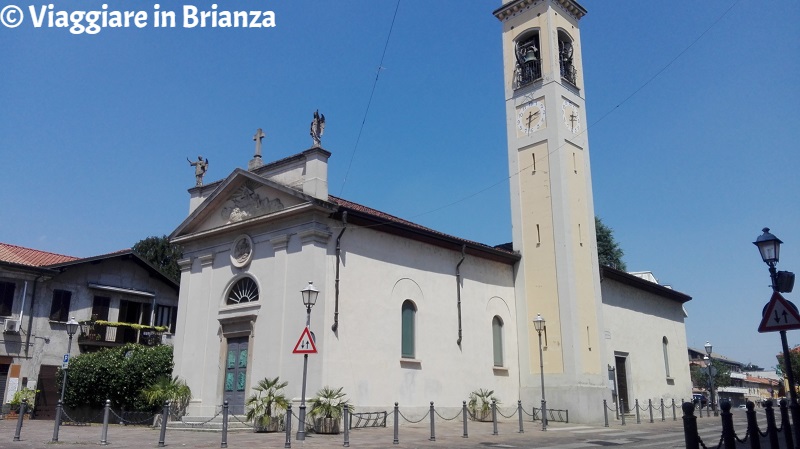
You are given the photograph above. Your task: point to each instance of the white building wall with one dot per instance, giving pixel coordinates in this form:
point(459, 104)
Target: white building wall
point(636, 323)
point(378, 272)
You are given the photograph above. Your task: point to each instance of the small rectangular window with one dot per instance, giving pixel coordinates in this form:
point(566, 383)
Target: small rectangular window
point(165, 317)
point(6, 298)
point(59, 310)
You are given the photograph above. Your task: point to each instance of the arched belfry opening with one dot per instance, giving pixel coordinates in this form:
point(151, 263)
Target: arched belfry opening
point(529, 59)
point(566, 51)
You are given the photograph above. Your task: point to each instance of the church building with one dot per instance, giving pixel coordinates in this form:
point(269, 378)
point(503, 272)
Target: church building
point(410, 315)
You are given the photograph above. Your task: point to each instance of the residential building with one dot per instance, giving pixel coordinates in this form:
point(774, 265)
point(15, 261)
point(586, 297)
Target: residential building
point(116, 297)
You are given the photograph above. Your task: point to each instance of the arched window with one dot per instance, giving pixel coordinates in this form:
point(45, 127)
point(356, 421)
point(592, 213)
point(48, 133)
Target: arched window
point(245, 290)
point(407, 340)
point(529, 60)
point(565, 55)
point(665, 347)
point(497, 340)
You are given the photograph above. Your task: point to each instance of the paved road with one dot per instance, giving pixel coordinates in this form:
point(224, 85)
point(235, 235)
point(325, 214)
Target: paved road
point(656, 435)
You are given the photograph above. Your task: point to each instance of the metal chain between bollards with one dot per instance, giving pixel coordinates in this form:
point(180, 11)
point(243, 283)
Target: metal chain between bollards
point(509, 416)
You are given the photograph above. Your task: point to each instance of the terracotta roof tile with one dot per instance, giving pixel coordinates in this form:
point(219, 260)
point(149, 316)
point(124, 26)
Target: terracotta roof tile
point(30, 257)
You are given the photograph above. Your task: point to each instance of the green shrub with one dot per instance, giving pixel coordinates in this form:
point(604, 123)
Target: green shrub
point(119, 374)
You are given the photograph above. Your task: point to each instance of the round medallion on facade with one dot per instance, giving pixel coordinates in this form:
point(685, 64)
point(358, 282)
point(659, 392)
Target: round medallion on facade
point(242, 251)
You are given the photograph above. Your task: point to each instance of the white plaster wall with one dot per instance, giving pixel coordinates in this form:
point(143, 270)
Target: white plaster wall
point(636, 322)
point(378, 273)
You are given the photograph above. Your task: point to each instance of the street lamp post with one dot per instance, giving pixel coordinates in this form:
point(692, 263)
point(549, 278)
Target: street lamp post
point(710, 378)
point(72, 327)
point(309, 299)
point(770, 248)
point(538, 323)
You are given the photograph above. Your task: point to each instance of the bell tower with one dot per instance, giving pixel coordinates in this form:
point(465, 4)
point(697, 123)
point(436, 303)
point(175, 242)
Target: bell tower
point(552, 207)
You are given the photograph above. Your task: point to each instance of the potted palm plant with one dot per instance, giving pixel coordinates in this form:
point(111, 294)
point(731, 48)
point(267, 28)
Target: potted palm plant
point(480, 404)
point(327, 409)
point(266, 403)
point(172, 389)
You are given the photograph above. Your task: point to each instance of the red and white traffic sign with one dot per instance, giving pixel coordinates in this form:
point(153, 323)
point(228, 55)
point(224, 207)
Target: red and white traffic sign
point(305, 345)
point(779, 315)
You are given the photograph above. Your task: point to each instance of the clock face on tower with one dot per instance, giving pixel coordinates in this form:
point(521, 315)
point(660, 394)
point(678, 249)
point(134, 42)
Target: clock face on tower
point(572, 117)
point(530, 117)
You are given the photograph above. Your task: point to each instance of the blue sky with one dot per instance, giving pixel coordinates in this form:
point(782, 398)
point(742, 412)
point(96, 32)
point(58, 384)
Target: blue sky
point(692, 111)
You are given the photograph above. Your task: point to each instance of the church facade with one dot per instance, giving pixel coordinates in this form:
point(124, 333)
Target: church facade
point(410, 315)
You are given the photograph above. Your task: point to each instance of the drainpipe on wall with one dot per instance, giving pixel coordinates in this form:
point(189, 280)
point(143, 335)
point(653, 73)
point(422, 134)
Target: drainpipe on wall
point(30, 317)
point(335, 326)
point(458, 290)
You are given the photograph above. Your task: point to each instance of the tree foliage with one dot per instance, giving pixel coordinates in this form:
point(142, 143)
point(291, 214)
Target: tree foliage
point(119, 374)
point(161, 253)
point(608, 251)
point(700, 375)
point(794, 358)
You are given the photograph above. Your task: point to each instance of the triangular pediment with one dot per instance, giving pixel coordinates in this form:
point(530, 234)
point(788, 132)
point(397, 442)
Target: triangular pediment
point(241, 198)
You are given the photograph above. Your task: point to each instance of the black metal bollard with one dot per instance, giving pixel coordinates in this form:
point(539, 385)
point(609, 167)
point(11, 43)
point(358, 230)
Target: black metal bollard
point(57, 422)
point(638, 418)
point(544, 414)
point(396, 421)
point(650, 407)
point(104, 432)
point(728, 433)
point(433, 426)
point(494, 417)
point(224, 442)
point(22, 409)
point(674, 418)
point(605, 412)
point(164, 417)
point(466, 416)
point(622, 411)
point(662, 409)
point(786, 426)
point(690, 426)
point(772, 428)
point(346, 427)
point(519, 412)
point(288, 426)
point(752, 426)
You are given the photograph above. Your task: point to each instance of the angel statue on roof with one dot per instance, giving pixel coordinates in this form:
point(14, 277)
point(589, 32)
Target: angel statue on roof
point(317, 128)
point(200, 168)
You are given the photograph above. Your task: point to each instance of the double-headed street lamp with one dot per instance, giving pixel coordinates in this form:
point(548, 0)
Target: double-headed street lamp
point(309, 299)
point(538, 324)
point(782, 281)
point(711, 372)
point(72, 327)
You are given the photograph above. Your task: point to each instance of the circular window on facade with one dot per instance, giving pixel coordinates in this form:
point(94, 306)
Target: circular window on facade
point(245, 290)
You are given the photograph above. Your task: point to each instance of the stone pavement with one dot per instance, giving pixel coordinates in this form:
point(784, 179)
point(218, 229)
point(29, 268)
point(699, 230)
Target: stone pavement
point(668, 434)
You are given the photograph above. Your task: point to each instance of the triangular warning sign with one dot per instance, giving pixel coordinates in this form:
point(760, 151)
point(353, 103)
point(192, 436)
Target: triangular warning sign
point(305, 345)
point(779, 315)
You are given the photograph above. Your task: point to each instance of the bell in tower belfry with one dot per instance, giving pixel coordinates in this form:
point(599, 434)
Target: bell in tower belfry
point(552, 206)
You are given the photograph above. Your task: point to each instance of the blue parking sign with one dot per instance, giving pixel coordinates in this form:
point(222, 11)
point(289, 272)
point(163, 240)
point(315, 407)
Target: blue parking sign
point(65, 363)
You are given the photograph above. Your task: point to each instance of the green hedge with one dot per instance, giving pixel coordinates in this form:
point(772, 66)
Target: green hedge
point(119, 374)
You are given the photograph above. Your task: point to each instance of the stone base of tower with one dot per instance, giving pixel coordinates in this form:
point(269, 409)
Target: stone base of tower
point(584, 402)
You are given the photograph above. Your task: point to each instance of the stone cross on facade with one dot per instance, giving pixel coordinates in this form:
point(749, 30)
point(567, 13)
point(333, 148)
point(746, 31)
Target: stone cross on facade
point(257, 137)
point(256, 161)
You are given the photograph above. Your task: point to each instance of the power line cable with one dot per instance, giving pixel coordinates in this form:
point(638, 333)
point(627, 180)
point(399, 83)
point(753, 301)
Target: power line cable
point(371, 94)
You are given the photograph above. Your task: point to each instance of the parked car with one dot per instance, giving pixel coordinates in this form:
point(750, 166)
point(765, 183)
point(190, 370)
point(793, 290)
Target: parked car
point(699, 399)
point(743, 406)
